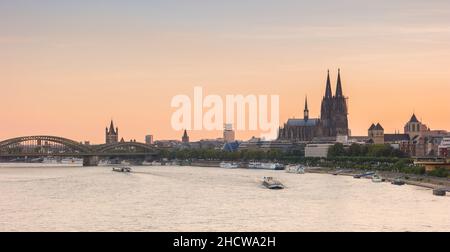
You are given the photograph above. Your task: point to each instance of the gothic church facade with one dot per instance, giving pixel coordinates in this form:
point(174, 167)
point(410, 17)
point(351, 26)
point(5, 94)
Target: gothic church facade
point(333, 119)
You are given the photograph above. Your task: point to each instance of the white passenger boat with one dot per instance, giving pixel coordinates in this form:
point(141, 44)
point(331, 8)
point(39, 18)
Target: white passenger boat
point(298, 169)
point(228, 165)
point(272, 166)
point(49, 160)
point(70, 161)
point(269, 166)
point(254, 165)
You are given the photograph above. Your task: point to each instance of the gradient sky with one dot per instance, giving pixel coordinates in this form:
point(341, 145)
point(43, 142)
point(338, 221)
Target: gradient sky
point(68, 67)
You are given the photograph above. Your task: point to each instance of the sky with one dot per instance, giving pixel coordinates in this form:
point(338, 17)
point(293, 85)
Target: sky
point(68, 67)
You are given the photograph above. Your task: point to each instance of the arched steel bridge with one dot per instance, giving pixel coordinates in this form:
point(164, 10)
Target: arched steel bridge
point(54, 146)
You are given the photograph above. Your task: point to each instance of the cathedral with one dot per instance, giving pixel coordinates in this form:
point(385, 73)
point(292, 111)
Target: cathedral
point(332, 122)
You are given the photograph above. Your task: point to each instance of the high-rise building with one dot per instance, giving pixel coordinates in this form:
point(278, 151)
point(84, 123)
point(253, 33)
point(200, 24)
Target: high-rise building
point(149, 139)
point(111, 134)
point(228, 133)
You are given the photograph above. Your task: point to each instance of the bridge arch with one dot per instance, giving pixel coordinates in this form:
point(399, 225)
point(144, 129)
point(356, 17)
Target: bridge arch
point(73, 145)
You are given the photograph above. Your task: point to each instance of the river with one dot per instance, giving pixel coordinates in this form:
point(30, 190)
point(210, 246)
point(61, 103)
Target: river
point(39, 197)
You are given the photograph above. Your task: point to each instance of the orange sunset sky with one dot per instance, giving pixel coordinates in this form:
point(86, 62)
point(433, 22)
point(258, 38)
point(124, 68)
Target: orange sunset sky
point(68, 67)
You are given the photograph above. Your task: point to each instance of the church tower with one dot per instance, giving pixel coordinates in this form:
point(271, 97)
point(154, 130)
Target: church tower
point(111, 134)
point(306, 110)
point(413, 127)
point(332, 123)
point(327, 109)
point(185, 138)
point(340, 110)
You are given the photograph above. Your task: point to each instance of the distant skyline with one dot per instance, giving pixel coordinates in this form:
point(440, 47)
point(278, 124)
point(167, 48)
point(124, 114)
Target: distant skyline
point(68, 67)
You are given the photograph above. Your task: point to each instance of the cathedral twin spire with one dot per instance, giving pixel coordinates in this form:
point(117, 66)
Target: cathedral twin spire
point(339, 85)
point(333, 119)
point(328, 93)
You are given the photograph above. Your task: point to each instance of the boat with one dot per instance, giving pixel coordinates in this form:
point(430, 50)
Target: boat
point(376, 178)
point(337, 172)
point(49, 160)
point(271, 183)
point(357, 176)
point(70, 161)
point(269, 166)
point(298, 169)
point(121, 169)
point(398, 181)
point(273, 166)
point(439, 192)
point(228, 165)
point(37, 160)
point(254, 165)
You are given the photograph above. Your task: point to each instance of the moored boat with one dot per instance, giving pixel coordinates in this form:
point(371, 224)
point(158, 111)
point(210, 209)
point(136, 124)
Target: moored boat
point(337, 172)
point(376, 178)
point(121, 169)
point(254, 165)
point(228, 165)
point(271, 183)
point(357, 176)
point(439, 192)
point(268, 166)
point(398, 181)
point(298, 169)
point(37, 160)
point(276, 166)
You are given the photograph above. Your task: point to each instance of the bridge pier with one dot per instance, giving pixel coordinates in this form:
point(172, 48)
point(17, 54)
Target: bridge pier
point(90, 161)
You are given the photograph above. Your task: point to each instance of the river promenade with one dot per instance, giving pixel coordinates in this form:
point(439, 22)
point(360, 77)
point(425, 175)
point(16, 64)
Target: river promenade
point(411, 179)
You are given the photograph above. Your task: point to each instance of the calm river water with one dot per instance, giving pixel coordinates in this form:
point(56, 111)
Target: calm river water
point(52, 198)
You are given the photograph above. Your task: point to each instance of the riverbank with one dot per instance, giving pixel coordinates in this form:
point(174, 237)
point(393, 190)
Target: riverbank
point(417, 180)
point(410, 179)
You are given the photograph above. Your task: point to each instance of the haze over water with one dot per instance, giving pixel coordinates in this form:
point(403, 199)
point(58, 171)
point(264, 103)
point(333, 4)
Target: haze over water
point(36, 197)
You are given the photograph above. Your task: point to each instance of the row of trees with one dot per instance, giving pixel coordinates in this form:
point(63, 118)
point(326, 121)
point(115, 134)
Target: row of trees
point(357, 150)
point(213, 154)
point(373, 157)
point(355, 153)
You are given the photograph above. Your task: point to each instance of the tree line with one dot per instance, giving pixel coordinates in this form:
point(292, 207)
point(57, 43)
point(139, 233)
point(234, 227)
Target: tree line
point(358, 150)
point(363, 157)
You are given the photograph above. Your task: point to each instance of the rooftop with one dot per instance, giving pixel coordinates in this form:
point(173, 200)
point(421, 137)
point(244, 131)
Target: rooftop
point(303, 122)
